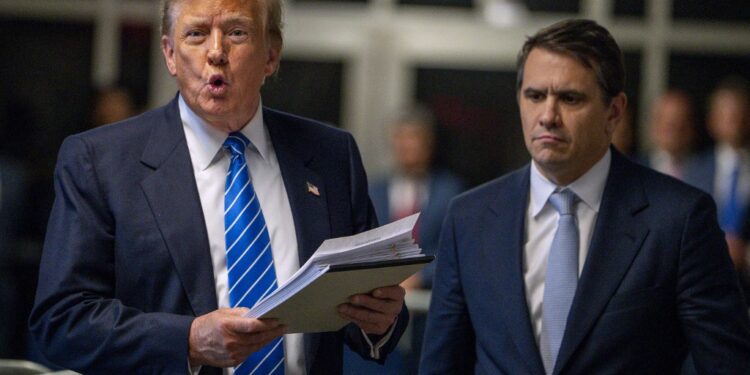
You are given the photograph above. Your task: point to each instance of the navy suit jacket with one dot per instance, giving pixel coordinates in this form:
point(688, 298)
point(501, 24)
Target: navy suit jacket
point(126, 264)
point(700, 171)
point(443, 186)
point(657, 284)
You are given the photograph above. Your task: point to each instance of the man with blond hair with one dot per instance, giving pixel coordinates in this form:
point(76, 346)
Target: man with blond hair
point(168, 226)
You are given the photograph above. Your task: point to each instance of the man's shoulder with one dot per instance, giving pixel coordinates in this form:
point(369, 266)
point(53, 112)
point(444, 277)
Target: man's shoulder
point(446, 178)
point(661, 189)
point(131, 129)
point(300, 125)
point(514, 183)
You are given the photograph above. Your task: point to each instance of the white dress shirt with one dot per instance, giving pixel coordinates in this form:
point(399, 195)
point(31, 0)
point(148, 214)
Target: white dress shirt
point(541, 224)
point(663, 162)
point(406, 195)
point(210, 165)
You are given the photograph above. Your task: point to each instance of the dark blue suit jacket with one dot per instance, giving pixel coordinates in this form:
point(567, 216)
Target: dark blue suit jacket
point(443, 186)
point(700, 171)
point(126, 265)
point(656, 284)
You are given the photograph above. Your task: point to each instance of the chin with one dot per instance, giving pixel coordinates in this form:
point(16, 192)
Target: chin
point(550, 156)
point(214, 109)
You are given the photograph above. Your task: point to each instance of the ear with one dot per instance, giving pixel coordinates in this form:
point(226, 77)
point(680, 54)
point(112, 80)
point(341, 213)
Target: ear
point(274, 56)
point(167, 48)
point(616, 112)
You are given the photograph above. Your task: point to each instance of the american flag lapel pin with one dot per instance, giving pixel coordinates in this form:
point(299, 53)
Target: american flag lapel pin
point(312, 189)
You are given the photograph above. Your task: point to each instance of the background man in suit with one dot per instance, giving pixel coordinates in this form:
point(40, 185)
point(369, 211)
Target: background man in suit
point(415, 186)
point(673, 133)
point(628, 277)
point(136, 261)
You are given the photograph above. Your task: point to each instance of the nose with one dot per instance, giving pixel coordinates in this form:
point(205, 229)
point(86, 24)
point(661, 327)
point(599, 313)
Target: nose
point(550, 116)
point(217, 53)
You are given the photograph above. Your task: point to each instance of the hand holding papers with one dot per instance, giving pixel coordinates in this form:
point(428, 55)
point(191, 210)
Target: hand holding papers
point(342, 267)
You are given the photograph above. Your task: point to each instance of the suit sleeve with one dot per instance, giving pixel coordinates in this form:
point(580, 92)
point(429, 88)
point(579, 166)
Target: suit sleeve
point(711, 307)
point(364, 218)
point(76, 320)
point(450, 339)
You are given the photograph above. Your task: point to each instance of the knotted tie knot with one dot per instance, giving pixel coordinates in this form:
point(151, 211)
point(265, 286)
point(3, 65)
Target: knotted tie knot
point(564, 201)
point(236, 144)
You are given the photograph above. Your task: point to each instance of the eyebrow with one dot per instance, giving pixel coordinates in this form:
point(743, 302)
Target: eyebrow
point(229, 18)
point(532, 90)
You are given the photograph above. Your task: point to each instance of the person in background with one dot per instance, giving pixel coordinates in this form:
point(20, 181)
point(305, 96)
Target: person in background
point(673, 132)
point(415, 186)
point(724, 170)
point(583, 261)
point(112, 104)
point(168, 226)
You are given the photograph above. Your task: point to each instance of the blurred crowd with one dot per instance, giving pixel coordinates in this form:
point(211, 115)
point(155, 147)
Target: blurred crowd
point(719, 166)
point(20, 250)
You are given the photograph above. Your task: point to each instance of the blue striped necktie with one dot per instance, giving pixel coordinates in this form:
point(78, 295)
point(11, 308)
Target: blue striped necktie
point(561, 279)
point(249, 257)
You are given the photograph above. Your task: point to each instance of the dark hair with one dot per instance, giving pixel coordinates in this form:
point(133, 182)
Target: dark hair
point(736, 85)
point(273, 18)
point(586, 41)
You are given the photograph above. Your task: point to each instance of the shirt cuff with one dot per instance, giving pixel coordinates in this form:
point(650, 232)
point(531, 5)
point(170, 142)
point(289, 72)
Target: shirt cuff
point(193, 370)
point(375, 349)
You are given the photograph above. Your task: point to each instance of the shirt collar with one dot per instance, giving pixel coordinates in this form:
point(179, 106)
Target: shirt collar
point(589, 187)
point(211, 140)
point(727, 155)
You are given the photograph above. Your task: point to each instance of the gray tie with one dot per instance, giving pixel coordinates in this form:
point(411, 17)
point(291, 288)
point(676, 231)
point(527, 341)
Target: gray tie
point(561, 279)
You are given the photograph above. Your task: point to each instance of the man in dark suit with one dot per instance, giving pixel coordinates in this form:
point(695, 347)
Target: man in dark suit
point(582, 262)
point(415, 185)
point(673, 133)
point(136, 275)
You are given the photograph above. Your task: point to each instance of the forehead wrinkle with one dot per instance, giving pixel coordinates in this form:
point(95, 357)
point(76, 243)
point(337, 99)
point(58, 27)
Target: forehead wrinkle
point(234, 17)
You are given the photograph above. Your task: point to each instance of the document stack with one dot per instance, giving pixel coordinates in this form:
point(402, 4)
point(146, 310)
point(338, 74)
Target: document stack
point(339, 268)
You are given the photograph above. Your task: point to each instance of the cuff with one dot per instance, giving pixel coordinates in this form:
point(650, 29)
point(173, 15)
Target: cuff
point(193, 370)
point(375, 349)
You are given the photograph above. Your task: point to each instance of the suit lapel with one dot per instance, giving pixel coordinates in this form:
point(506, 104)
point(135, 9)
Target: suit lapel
point(505, 233)
point(173, 197)
point(617, 238)
point(305, 188)
point(309, 209)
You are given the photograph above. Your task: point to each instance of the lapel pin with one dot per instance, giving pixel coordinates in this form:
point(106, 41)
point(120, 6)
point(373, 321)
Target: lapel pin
point(312, 189)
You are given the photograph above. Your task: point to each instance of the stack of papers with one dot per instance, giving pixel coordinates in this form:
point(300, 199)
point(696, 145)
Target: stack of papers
point(339, 268)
